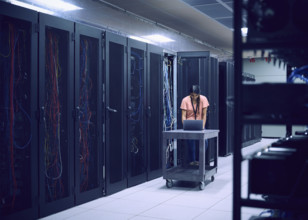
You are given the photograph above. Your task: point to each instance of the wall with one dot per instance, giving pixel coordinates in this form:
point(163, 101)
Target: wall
point(269, 72)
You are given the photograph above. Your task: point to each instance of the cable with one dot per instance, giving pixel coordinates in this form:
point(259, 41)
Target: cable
point(138, 110)
point(52, 119)
point(85, 114)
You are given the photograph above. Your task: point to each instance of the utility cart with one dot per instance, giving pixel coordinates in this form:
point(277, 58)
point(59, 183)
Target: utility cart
point(205, 171)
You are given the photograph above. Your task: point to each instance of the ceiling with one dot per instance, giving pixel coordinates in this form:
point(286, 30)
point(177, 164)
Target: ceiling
point(219, 10)
point(206, 21)
point(210, 21)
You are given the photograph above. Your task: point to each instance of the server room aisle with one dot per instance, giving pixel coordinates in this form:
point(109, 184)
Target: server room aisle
point(153, 200)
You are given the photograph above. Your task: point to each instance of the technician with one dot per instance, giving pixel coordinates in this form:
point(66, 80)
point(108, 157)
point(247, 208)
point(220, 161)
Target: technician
point(194, 107)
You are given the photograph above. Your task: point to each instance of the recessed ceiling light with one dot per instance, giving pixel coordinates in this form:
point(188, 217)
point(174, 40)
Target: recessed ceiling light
point(57, 5)
point(32, 7)
point(158, 38)
point(140, 39)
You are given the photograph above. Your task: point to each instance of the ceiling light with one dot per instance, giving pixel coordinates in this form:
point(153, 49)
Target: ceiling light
point(32, 7)
point(158, 38)
point(57, 5)
point(140, 39)
point(244, 31)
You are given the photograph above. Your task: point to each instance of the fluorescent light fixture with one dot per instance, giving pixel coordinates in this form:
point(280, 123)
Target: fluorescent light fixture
point(140, 39)
point(57, 5)
point(244, 31)
point(32, 7)
point(158, 38)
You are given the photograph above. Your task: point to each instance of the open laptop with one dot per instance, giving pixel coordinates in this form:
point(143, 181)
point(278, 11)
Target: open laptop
point(193, 125)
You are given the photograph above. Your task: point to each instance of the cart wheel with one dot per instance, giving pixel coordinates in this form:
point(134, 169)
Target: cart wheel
point(212, 178)
point(201, 185)
point(169, 183)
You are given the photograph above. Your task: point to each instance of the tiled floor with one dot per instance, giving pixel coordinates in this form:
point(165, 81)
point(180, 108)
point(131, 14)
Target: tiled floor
point(153, 200)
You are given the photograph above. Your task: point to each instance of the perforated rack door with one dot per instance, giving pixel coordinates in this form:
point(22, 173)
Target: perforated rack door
point(88, 113)
point(18, 104)
point(56, 96)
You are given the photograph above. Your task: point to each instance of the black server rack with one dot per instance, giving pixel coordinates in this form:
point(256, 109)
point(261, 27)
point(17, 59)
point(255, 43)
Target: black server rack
point(154, 111)
point(18, 105)
point(198, 68)
point(136, 101)
point(115, 112)
point(56, 152)
point(213, 97)
point(226, 113)
point(192, 69)
point(88, 113)
point(213, 94)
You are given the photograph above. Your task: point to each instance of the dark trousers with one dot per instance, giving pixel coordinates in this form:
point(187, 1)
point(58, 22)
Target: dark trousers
point(193, 149)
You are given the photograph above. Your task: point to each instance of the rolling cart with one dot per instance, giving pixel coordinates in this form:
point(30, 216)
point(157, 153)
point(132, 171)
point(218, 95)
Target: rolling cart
point(176, 172)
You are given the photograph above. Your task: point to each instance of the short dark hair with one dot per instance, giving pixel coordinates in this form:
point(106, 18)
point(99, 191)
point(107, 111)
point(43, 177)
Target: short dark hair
point(194, 89)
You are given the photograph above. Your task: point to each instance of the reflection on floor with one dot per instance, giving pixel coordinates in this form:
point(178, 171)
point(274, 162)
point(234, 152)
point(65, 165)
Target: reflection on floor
point(153, 200)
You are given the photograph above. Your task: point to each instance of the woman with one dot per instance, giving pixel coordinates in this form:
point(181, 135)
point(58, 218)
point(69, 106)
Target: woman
point(194, 107)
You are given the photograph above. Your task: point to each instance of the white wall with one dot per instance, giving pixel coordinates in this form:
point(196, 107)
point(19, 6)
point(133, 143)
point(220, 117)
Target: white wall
point(268, 72)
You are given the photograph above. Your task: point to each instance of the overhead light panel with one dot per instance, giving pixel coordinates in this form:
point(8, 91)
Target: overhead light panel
point(140, 39)
point(158, 38)
point(32, 7)
point(57, 5)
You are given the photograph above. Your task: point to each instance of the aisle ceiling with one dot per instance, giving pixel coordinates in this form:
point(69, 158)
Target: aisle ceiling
point(207, 21)
point(210, 21)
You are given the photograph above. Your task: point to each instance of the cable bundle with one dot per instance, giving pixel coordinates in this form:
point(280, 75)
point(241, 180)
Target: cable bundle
point(85, 114)
point(52, 119)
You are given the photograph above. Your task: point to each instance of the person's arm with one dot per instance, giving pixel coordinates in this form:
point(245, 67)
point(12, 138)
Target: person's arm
point(183, 115)
point(204, 110)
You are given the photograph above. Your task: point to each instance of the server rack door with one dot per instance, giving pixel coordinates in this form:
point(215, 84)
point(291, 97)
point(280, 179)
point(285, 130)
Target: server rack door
point(214, 94)
point(18, 104)
point(154, 111)
point(223, 109)
point(192, 69)
point(88, 113)
point(226, 117)
point(213, 110)
point(136, 129)
point(116, 87)
point(230, 107)
point(56, 162)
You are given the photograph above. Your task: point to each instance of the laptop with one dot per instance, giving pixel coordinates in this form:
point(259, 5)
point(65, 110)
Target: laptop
point(193, 125)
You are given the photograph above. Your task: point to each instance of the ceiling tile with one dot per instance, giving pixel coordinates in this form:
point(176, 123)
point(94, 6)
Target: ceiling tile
point(199, 2)
point(215, 11)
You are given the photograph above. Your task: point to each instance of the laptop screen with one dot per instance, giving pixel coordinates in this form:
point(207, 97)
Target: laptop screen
point(193, 125)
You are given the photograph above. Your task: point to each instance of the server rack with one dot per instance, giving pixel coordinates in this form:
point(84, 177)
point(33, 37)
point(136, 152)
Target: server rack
point(56, 153)
point(251, 132)
point(226, 113)
point(115, 84)
point(213, 110)
point(136, 101)
point(18, 105)
point(88, 113)
point(154, 111)
point(198, 68)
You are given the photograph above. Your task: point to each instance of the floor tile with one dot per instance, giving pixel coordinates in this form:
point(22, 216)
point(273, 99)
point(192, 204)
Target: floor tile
point(165, 211)
point(129, 206)
point(100, 214)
